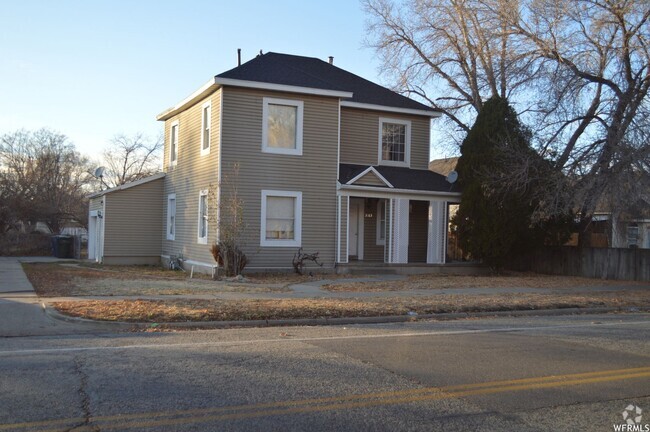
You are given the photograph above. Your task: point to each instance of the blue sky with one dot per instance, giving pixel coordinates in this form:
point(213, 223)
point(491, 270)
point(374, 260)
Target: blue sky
point(92, 69)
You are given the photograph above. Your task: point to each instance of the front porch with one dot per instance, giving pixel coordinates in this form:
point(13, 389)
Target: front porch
point(386, 229)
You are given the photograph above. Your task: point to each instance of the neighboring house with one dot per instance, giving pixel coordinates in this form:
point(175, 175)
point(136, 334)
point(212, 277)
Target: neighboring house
point(625, 229)
point(443, 166)
point(327, 161)
point(125, 223)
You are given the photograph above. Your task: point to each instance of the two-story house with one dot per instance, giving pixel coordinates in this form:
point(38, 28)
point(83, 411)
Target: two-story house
point(320, 158)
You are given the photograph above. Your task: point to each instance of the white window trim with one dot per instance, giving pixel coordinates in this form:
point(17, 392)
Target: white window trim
point(299, 119)
point(199, 239)
point(297, 225)
point(178, 134)
point(169, 220)
point(380, 241)
point(206, 151)
point(407, 144)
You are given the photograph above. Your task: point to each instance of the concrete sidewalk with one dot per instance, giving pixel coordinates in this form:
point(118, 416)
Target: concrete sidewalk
point(13, 281)
point(21, 311)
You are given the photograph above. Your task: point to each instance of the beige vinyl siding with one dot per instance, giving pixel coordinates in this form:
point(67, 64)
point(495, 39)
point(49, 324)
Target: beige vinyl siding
point(132, 223)
point(418, 231)
point(371, 250)
point(370, 179)
point(96, 204)
point(192, 174)
point(313, 173)
point(360, 137)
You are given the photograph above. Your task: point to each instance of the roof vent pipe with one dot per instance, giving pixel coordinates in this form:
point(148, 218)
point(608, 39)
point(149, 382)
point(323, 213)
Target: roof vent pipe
point(238, 56)
point(331, 60)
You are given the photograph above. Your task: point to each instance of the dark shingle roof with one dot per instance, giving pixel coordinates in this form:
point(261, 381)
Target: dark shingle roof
point(402, 178)
point(285, 69)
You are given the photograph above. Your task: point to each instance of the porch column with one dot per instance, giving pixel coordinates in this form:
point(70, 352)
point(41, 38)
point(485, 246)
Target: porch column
point(399, 232)
point(342, 219)
point(437, 232)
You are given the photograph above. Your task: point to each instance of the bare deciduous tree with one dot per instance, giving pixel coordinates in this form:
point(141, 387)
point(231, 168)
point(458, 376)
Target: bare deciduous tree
point(42, 179)
point(576, 71)
point(232, 226)
point(454, 54)
point(598, 56)
point(130, 158)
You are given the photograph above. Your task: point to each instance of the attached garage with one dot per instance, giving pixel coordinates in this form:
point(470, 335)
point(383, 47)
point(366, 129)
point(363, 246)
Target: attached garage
point(125, 223)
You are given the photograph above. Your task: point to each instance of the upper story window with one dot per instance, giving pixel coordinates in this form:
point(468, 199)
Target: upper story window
point(281, 218)
point(203, 217)
point(173, 143)
point(206, 112)
point(394, 142)
point(282, 126)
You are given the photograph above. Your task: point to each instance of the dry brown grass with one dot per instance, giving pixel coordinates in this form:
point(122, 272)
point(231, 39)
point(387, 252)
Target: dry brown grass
point(513, 280)
point(62, 280)
point(227, 310)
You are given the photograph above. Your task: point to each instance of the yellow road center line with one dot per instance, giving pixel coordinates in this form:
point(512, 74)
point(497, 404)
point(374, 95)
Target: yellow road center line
point(378, 398)
point(370, 403)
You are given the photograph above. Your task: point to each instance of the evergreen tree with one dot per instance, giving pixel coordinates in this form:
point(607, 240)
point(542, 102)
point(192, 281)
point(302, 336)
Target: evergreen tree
point(494, 218)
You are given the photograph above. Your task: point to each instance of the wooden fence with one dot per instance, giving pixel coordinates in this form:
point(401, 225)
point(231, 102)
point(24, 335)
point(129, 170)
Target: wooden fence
point(604, 263)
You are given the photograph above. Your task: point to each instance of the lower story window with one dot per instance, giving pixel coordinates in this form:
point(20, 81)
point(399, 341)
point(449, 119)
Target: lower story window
point(281, 218)
point(203, 217)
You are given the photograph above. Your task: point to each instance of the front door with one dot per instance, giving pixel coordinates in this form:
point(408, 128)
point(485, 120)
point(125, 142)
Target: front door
point(355, 229)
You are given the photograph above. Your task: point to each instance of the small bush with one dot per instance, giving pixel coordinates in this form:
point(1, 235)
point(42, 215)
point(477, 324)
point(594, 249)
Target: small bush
point(229, 257)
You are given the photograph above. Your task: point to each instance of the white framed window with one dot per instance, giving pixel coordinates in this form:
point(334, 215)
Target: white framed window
point(632, 235)
point(282, 126)
point(381, 222)
point(203, 218)
point(206, 120)
point(171, 216)
point(173, 143)
point(394, 142)
point(281, 218)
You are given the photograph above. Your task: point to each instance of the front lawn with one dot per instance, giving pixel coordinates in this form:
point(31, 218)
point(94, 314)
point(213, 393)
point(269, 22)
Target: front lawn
point(161, 311)
point(511, 280)
point(63, 280)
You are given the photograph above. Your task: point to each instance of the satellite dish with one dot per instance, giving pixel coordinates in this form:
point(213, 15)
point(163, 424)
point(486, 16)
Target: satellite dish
point(99, 171)
point(452, 177)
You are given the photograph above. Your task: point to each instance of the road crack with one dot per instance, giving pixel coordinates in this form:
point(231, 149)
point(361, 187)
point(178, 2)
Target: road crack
point(85, 399)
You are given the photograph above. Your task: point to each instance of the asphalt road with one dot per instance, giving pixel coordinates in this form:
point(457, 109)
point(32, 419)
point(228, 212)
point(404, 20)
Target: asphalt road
point(519, 374)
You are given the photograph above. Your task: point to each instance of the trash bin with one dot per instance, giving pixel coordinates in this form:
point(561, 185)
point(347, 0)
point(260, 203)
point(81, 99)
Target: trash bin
point(55, 246)
point(62, 246)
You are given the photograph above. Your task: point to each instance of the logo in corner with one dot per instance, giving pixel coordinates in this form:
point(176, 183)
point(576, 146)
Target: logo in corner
point(632, 415)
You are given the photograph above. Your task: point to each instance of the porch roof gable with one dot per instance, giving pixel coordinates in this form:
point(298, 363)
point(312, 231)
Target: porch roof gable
point(400, 177)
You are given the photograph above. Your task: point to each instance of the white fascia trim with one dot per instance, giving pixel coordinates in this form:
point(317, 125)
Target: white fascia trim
point(208, 104)
point(281, 87)
point(375, 172)
point(375, 192)
point(300, 108)
point(127, 185)
point(297, 227)
point(219, 154)
point(203, 91)
point(407, 143)
point(349, 104)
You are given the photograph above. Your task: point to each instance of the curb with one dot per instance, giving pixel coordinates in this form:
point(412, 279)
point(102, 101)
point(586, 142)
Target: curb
point(53, 313)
